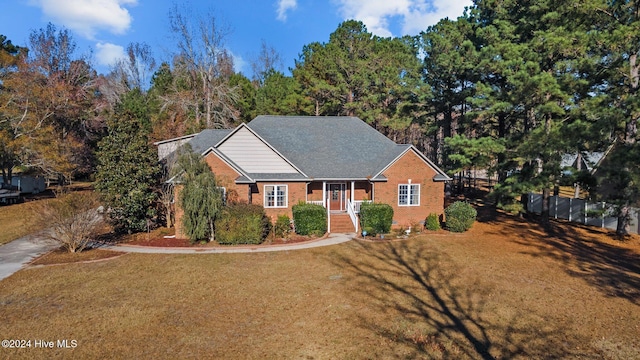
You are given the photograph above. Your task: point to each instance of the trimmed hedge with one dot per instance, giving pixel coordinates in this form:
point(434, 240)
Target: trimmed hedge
point(242, 224)
point(376, 218)
point(310, 219)
point(432, 222)
point(460, 216)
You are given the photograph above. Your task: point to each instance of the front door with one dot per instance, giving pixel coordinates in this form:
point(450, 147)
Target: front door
point(336, 196)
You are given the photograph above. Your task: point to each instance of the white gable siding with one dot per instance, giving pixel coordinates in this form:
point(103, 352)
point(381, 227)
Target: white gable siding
point(254, 156)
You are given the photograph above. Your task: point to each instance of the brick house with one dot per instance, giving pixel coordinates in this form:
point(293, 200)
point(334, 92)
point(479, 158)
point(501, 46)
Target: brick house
point(336, 162)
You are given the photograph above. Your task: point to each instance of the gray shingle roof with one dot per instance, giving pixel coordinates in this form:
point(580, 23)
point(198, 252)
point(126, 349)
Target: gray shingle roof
point(208, 138)
point(322, 147)
point(589, 160)
point(336, 147)
point(199, 143)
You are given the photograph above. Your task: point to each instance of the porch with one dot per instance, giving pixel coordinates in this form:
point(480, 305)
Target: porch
point(339, 198)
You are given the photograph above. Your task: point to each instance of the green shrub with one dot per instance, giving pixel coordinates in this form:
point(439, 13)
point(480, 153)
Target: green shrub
point(242, 224)
point(282, 227)
point(368, 231)
point(460, 216)
point(432, 222)
point(512, 208)
point(376, 217)
point(310, 219)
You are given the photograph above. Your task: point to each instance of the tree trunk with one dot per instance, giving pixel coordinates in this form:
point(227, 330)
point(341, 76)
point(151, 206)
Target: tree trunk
point(631, 129)
point(545, 205)
point(624, 221)
point(576, 193)
point(502, 133)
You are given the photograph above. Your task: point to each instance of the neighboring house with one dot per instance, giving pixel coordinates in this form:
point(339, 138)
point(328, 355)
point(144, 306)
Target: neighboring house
point(336, 162)
point(588, 160)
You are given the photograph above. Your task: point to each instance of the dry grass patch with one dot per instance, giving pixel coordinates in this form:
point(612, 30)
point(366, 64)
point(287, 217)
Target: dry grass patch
point(62, 256)
point(506, 289)
point(15, 220)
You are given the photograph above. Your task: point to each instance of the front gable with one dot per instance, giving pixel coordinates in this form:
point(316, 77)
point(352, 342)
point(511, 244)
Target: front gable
point(252, 154)
point(411, 172)
point(419, 162)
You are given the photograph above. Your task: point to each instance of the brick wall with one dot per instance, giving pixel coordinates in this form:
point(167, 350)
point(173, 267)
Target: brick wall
point(296, 191)
point(411, 166)
point(225, 176)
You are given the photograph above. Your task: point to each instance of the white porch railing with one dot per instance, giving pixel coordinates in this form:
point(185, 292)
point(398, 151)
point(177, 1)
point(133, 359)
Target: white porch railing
point(315, 202)
point(356, 205)
point(352, 214)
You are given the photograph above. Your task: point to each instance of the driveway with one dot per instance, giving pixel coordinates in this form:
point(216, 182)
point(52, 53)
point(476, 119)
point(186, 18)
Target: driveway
point(16, 254)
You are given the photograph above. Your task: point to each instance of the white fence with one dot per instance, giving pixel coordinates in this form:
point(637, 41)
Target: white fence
point(578, 210)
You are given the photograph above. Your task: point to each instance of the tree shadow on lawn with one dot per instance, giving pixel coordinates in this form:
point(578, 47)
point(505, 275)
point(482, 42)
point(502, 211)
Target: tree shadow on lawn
point(583, 251)
point(439, 314)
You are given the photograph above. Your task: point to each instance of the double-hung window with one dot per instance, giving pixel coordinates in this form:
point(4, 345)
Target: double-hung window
point(409, 195)
point(275, 196)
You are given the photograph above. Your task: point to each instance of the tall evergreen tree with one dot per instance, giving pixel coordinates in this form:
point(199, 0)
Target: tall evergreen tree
point(128, 170)
point(280, 95)
point(448, 69)
point(615, 104)
point(359, 74)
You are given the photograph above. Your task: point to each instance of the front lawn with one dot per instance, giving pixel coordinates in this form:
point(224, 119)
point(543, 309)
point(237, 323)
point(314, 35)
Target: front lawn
point(15, 221)
point(505, 289)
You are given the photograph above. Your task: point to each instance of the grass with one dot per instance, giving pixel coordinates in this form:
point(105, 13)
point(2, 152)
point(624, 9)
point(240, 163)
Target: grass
point(62, 256)
point(14, 220)
point(505, 289)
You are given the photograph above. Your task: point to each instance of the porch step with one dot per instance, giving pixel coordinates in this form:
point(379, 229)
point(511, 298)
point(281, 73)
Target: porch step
point(341, 223)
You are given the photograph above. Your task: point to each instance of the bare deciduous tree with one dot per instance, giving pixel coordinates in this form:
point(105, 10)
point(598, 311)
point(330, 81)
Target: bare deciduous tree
point(202, 66)
point(72, 220)
point(268, 59)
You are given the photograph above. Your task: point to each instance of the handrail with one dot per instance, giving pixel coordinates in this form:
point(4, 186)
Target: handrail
point(352, 214)
point(315, 202)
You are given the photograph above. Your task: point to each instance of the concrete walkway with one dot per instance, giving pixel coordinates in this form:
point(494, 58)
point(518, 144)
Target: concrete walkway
point(16, 254)
point(332, 239)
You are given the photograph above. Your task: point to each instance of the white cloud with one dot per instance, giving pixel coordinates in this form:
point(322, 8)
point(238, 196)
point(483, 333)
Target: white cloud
point(108, 54)
point(420, 18)
point(284, 6)
point(86, 17)
point(239, 64)
point(414, 15)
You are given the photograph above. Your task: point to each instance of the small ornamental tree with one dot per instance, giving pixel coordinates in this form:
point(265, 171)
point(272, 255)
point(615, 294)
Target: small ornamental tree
point(73, 220)
point(128, 170)
point(460, 216)
point(432, 222)
point(282, 227)
point(199, 197)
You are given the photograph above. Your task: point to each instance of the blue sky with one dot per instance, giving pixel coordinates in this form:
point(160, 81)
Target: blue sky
point(105, 27)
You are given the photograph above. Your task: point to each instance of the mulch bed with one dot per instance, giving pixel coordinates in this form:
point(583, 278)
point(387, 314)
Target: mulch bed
point(168, 241)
